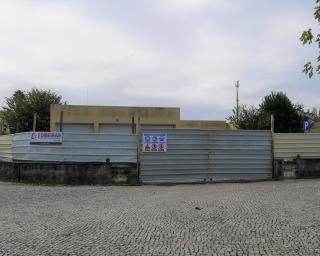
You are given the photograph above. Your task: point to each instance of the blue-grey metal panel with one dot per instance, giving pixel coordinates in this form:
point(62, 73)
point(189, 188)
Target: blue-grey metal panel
point(186, 159)
point(237, 155)
point(78, 148)
point(98, 147)
point(5, 148)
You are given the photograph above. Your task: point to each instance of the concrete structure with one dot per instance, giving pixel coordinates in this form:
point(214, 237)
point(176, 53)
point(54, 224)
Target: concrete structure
point(70, 173)
point(203, 125)
point(315, 128)
point(104, 119)
point(296, 155)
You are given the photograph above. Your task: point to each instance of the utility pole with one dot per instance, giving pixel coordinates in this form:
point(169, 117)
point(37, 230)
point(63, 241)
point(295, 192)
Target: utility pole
point(237, 100)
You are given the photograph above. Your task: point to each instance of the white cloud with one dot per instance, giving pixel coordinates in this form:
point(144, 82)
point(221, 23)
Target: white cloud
point(190, 6)
point(58, 46)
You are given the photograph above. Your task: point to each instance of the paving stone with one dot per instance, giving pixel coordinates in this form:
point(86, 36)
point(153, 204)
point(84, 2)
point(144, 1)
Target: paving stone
point(263, 218)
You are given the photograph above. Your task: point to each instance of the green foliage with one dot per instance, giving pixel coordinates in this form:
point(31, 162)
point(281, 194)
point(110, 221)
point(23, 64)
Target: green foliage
point(307, 38)
point(308, 69)
point(288, 117)
point(247, 119)
point(21, 106)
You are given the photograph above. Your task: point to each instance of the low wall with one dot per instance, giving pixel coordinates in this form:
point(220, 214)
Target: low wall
point(297, 168)
point(69, 173)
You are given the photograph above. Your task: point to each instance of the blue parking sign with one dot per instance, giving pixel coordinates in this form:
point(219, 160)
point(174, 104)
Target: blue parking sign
point(306, 126)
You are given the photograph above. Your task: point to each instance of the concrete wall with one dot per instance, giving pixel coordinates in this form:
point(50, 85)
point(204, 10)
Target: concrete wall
point(73, 174)
point(9, 171)
point(97, 115)
point(315, 128)
point(204, 125)
point(231, 126)
point(297, 168)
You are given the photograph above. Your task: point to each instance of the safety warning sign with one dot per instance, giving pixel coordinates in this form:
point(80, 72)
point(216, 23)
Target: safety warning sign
point(154, 142)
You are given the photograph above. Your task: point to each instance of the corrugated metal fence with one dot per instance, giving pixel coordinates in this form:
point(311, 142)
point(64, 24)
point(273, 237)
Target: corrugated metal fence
point(78, 148)
point(236, 155)
point(194, 156)
point(5, 148)
point(185, 161)
point(289, 145)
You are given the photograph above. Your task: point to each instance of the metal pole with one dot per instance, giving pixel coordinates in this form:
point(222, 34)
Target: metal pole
point(237, 100)
point(34, 127)
point(139, 136)
point(18, 127)
point(274, 175)
point(133, 126)
point(272, 123)
point(61, 121)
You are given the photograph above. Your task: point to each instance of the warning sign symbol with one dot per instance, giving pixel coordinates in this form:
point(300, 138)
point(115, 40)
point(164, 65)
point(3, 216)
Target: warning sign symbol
point(147, 147)
point(161, 148)
point(154, 147)
point(154, 142)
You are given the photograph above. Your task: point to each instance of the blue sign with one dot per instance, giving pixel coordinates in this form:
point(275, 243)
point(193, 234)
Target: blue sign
point(154, 142)
point(306, 126)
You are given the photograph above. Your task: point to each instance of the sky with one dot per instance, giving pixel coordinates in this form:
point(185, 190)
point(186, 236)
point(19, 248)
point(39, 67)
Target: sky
point(163, 53)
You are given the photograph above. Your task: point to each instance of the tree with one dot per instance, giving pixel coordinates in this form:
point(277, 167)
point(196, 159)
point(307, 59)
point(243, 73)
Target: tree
point(21, 106)
point(308, 37)
point(248, 117)
point(288, 117)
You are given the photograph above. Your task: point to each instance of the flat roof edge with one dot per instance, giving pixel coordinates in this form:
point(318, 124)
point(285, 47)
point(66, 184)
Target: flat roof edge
point(102, 106)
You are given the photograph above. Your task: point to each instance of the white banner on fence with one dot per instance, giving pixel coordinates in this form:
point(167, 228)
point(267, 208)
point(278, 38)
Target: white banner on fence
point(154, 142)
point(46, 138)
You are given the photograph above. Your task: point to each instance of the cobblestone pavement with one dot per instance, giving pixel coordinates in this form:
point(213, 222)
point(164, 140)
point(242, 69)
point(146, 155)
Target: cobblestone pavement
point(263, 218)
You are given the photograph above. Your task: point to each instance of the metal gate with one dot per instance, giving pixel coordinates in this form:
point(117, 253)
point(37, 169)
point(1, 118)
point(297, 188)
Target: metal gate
point(186, 159)
point(204, 156)
point(240, 155)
